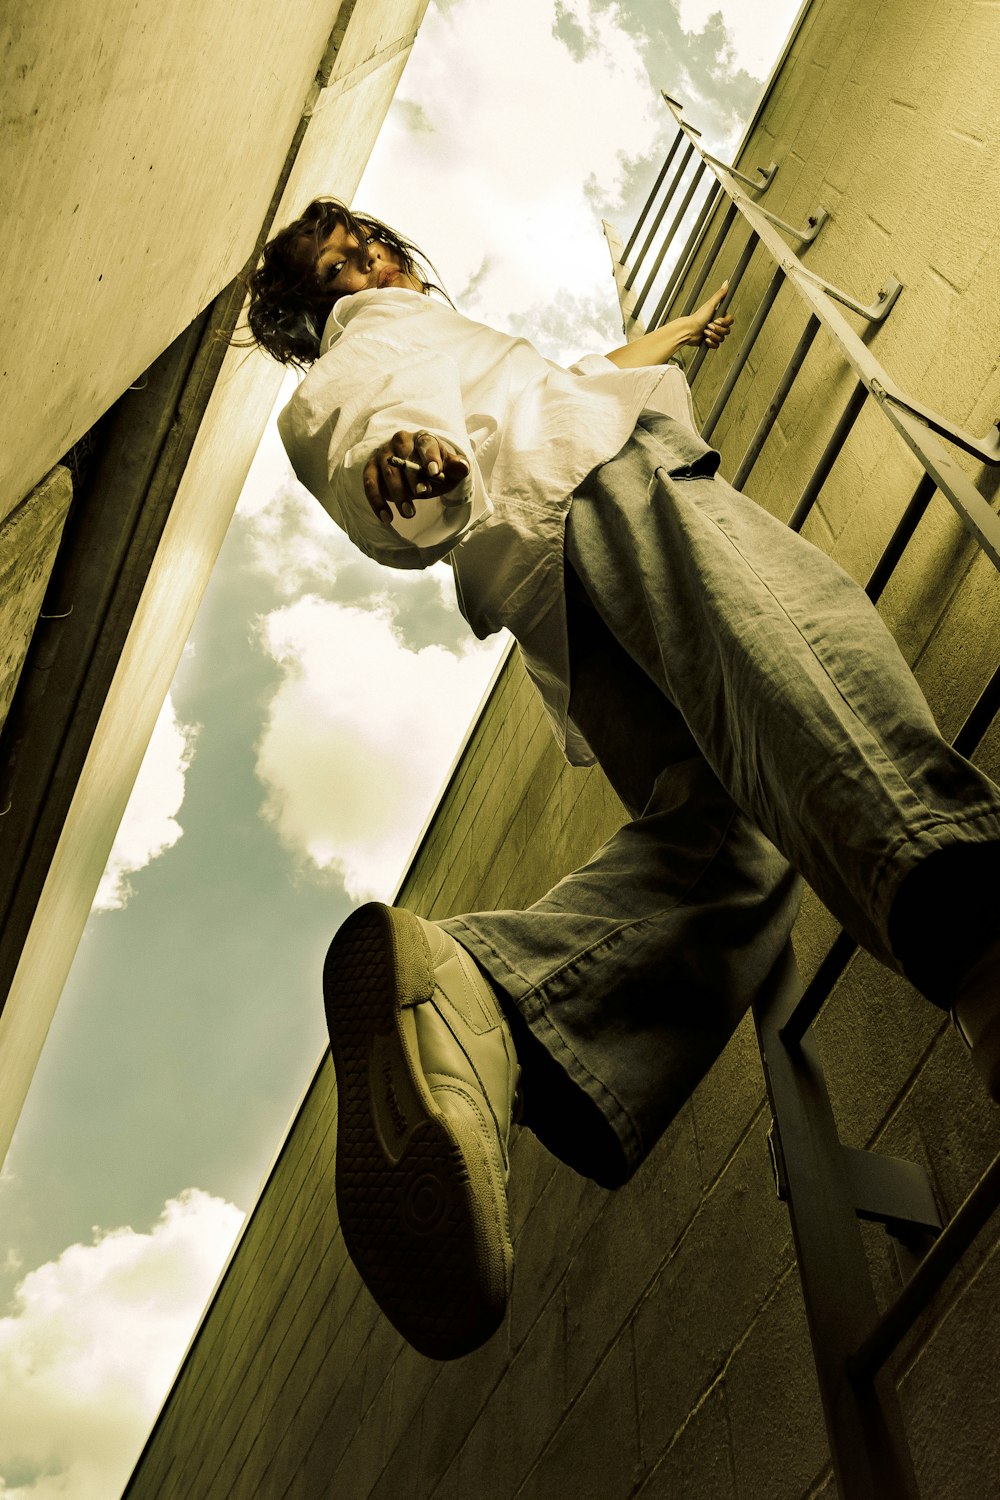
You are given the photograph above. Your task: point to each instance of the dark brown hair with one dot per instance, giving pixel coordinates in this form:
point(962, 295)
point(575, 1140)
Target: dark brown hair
point(288, 304)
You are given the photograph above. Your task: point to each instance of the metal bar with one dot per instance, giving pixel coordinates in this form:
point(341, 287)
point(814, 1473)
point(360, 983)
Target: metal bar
point(743, 353)
point(973, 510)
point(631, 325)
point(687, 255)
point(777, 401)
point(671, 190)
point(868, 1445)
point(734, 281)
point(983, 713)
point(710, 259)
point(669, 236)
point(907, 525)
point(828, 457)
point(987, 447)
point(656, 188)
point(810, 1003)
point(927, 1279)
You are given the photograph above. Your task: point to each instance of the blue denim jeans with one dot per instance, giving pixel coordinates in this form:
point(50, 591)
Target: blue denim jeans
point(743, 698)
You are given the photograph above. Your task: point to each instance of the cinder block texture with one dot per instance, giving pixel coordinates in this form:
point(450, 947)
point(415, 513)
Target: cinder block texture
point(656, 1344)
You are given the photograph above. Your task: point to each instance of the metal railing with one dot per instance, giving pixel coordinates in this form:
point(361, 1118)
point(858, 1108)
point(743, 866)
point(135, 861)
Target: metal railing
point(827, 1186)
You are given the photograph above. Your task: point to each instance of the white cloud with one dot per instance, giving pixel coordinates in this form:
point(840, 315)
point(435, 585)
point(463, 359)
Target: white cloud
point(95, 1337)
point(150, 824)
point(756, 28)
point(533, 228)
point(358, 736)
point(294, 541)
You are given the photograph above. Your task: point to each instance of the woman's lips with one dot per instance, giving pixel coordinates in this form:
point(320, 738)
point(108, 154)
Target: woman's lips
point(387, 277)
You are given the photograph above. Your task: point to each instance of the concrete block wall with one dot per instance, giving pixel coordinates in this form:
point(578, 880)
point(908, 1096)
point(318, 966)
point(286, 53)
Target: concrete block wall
point(655, 1345)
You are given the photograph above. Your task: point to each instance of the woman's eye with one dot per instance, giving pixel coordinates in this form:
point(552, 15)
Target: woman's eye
point(370, 239)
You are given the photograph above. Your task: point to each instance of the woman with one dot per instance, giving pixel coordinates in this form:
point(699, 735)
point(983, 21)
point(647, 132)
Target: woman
point(736, 687)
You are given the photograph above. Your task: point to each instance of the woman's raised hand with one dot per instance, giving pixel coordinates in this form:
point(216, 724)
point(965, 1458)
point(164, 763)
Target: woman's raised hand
point(408, 468)
point(706, 327)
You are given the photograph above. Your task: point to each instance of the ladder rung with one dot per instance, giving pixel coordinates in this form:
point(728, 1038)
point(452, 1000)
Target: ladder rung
point(927, 1279)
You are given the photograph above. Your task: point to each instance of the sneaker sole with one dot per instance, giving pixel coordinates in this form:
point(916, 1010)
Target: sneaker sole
point(414, 1189)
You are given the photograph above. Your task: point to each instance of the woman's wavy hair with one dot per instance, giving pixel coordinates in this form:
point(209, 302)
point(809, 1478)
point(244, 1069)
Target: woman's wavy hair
point(288, 305)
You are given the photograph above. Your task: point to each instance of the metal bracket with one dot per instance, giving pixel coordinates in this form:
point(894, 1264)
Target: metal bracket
point(884, 1189)
point(891, 1191)
point(813, 225)
point(875, 312)
point(987, 447)
point(766, 173)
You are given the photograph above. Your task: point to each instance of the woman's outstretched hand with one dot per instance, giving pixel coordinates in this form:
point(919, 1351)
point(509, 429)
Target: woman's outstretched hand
point(408, 468)
point(707, 326)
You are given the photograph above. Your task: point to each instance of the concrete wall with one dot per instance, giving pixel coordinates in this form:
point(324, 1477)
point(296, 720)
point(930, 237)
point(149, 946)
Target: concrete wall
point(173, 130)
point(655, 1344)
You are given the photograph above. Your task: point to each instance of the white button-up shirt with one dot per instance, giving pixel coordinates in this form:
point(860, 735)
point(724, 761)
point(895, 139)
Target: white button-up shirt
point(394, 360)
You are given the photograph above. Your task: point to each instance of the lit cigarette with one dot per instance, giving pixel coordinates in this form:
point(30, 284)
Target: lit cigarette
point(404, 463)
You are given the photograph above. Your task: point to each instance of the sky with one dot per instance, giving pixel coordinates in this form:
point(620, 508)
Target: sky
point(295, 762)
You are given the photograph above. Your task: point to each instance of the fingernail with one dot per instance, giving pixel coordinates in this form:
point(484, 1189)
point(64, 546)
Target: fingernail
point(385, 516)
point(433, 467)
point(407, 510)
point(422, 489)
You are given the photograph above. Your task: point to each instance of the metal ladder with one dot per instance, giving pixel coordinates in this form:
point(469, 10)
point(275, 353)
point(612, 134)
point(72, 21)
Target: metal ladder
point(827, 1186)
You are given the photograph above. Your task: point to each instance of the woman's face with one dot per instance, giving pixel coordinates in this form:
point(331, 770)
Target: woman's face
point(345, 264)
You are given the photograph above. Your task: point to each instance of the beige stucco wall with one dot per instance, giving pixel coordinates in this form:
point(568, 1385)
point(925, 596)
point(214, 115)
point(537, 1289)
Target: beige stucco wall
point(139, 154)
point(94, 361)
point(655, 1344)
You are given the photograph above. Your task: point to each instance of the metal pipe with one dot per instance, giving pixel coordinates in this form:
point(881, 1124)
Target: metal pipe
point(813, 997)
point(668, 238)
point(941, 1258)
point(656, 188)
point(868, 1445)
point(828, 457)
point(687, 255)
point(710, 259)
point(777, 401)
point(743, 353)
point(907, 525)
point(671, 190)
point(734, 281)
point(984, 711)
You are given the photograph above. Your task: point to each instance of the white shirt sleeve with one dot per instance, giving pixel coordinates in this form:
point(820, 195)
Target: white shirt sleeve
point(356, 397)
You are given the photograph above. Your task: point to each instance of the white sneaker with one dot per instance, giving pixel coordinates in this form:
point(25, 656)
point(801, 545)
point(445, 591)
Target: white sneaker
point(426, 1078)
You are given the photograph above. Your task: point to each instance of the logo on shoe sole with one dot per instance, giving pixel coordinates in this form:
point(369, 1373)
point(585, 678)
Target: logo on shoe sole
point(395, 1110)
point(391, 1102)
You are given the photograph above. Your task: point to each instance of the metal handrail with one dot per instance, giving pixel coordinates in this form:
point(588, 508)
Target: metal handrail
point(917, 425)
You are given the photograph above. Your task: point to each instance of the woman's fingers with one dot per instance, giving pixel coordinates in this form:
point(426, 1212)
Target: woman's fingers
point(410, 466)
point(718, 330)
